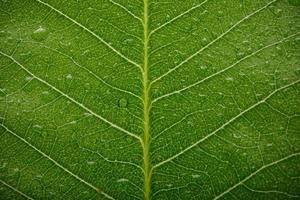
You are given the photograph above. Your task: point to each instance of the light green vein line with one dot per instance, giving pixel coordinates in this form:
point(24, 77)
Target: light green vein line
point(57, 164)
point(254, 173)
point(125, 9)
point(71, 99)
point(16, 190)
point(213, 41)
point(146, 109)
point(177, 17)
point(224, 125)
point(225, 69)
point(87, 70)
point(92, 33)
point(271, 191)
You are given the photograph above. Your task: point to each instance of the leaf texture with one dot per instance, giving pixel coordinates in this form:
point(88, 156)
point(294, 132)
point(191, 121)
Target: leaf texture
point(152, 99)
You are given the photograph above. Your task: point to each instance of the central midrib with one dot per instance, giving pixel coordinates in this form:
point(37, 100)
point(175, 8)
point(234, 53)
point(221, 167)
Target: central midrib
point(146, 108)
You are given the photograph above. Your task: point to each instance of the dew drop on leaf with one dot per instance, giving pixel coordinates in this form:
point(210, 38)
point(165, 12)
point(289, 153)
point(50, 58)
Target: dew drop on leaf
point(69, 76)
point(39, 34)
point(195, 176)
point(90, 162)
point(122, 180)
point(123, 103)
point(4, 34)
point(28, 78)
point(229, 79)
point(278, 11)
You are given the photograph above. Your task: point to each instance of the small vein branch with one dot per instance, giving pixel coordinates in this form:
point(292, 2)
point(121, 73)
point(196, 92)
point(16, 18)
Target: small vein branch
point(56, 163)
point(90, 72)
point(177, 17)
point(212, 42)
point(223, 70)
point(92, 33)
point(225, 124)
point(16, 190)
point(125, 9)
point(256, 172)
point(72, 99)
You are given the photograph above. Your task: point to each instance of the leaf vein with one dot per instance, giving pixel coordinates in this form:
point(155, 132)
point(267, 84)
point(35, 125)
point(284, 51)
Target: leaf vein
point(72, 99)
point(56, 163)
point(92, 33)
point(213, 41)
point(177, 17)
point(223, 70)
point(224, 125)
point(16, 190)
point(256, 172)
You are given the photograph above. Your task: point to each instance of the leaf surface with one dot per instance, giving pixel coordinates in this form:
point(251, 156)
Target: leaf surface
point(127, 99)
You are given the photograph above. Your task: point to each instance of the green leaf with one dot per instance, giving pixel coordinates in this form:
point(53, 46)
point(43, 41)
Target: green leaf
point(128, 99)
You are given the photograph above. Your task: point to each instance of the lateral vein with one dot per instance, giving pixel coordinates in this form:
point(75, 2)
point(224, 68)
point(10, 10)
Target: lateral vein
point(177, 17)
point(72, 99)
point(224, 125)
point(91, 32)
point(126, 10)
point(256, 172)
point(212, 42)
point(16, 190)
point(90, 72)
point(223, 70)
point(56, 163)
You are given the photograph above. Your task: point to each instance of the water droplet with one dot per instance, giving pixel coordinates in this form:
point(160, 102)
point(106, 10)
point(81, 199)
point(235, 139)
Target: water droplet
point(123, 103)
point(87, 114)
point(240, 55)
point(90, 162)
point(195, 176)
point(242, 74)
point(229, 79)
point(37, 126)
point(201, 95)
point(269, 144)
point(39, 34)
point(39, 176)
point(128, 41)
point(3, 165)
point(28, 78)
point(4, 34)
point(236, 136)
point(69, 76)
point(45, 92)
point(122, 180)
point(220, 12)
point(278, 11)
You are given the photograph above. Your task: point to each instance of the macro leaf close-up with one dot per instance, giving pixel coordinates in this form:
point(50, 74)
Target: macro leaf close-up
point(150, 99)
